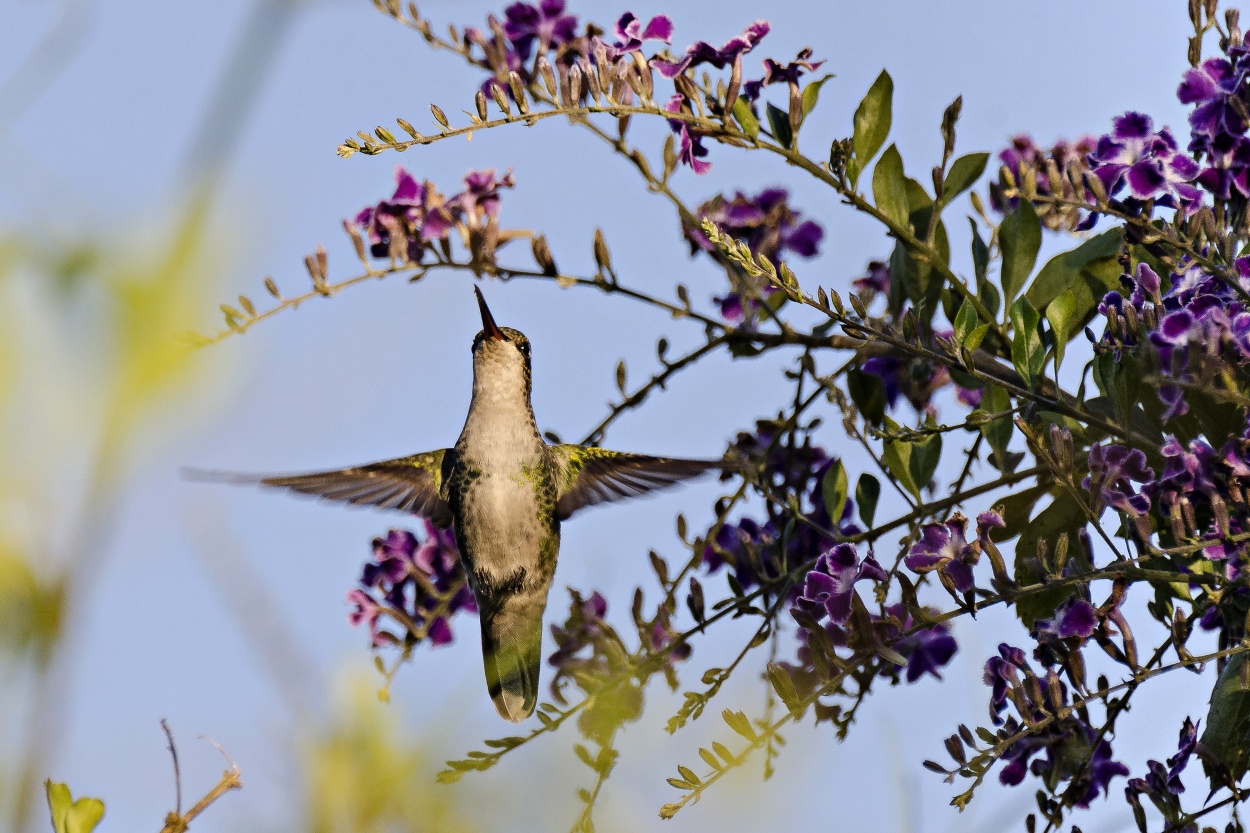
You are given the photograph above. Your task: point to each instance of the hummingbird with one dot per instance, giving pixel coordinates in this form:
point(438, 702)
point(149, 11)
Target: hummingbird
point(505, 491)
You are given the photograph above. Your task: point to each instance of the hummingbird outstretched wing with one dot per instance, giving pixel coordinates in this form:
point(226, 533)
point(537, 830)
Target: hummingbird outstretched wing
point(586, 476)
point(409, 484)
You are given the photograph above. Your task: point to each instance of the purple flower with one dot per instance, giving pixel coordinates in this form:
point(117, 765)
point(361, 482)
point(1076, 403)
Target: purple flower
point(547, 23)
point(875, 282)
point(702, 52)
point(829, 585)
point(631, 34)
point(690, 147)
point(414, 579)
point(1075, 618)
point(1065, 749)
point(927, 650)
point(1147, 162)
point(1112, 471)
point(942, 547)
point(916, 379)
point(778, 73)
point(1211, 85)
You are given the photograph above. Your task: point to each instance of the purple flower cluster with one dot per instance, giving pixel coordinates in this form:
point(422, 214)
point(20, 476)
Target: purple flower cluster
point(769, 227)
point(1203, 492)
point(1198, 327)
point(1217, 89)
point(418, 582)
point(1067, 749)
point(828, 599)
point(1146, 162)
point(1053, 172)
point(753, 548)
point(534, 40)
point(417, 216)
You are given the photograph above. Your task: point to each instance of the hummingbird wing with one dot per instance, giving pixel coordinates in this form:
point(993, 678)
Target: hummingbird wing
point(586, 476)
point(409, 484)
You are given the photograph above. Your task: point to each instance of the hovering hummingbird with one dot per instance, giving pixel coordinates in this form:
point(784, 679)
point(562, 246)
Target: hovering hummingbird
point(505, 491)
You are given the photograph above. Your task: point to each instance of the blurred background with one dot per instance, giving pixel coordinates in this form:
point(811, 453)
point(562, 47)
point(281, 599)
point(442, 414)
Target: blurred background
point(160, 158)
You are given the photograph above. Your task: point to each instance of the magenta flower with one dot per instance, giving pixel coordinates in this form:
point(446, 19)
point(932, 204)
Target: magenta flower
point(631, 34)
point(702, 52)
point(690, 148)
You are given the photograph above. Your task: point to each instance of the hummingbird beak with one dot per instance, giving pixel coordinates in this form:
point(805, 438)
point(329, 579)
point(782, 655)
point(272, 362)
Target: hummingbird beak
point(488, 321)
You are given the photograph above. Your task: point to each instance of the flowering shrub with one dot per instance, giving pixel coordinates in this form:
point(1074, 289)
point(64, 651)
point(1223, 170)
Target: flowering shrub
point(1125, 493)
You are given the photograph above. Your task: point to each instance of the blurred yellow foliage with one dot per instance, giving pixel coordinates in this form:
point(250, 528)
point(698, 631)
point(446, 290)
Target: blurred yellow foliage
point(364, 774)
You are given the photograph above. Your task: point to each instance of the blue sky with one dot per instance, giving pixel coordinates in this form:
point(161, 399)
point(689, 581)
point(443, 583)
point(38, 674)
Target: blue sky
point(383, 370)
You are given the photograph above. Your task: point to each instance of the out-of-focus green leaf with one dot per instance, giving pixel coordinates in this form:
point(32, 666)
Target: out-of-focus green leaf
point(963, 173)
point(889, 189)
point(872, 124)
point(70, 816)
point(359, 773)
point(1020, 237)
point(925, 455)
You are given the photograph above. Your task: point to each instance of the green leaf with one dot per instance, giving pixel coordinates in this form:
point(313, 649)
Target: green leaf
point(1059, 314)
point(746, 119)
point(1019, 236)
point(896, 455)
point(779, 123)
point(965, 322)
point(1063, 270)
point(811, 93)
point(872, 122)
point(834, 487)
point(1028, 351)
point(997, 432)
point(963, 172)
point(925, 455)
point(1120, 381)
point(1227, 733)
point(980, 253)
point(889, 187)
point(69, 816)
point(867, 492)
point(868, 394)
point(1063, 516)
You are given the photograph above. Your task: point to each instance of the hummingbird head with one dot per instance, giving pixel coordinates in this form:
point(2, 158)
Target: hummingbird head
point(501, 355)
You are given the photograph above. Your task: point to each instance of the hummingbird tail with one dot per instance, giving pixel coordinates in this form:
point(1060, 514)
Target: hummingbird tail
point(512, 651)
